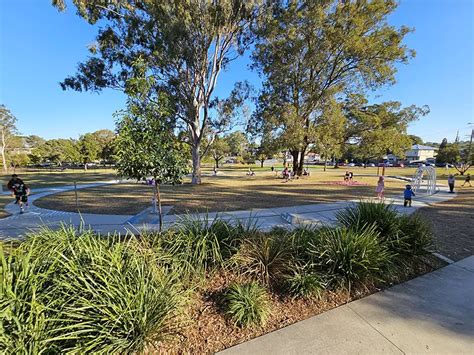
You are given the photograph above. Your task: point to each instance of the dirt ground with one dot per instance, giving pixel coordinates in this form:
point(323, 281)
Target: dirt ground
point(453, 224)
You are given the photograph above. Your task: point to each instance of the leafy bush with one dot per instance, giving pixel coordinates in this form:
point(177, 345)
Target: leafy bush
point(247, 304)
point(305, 284)
point(87, 294)
point(352, 256)
point(417, 236)
point(383, 217)
point(406, 236)
point(267, 257)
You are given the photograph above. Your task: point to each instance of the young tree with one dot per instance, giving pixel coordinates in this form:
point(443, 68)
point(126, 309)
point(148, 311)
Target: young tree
point(146, 145)
point(7, 133)
point(186, 44)
point(89, 148)
point(219, 149)
point(313, 51)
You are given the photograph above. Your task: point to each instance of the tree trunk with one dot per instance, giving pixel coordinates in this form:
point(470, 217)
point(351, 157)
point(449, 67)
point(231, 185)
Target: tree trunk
point(325, 164)
point(295, 155)
point(195, 151)
point(4, 161)
point(217, 163)
point(301, 164)
point(160, 211)
point(261, 162)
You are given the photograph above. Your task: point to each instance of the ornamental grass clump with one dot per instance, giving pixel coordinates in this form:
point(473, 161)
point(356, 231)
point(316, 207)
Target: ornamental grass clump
point(417, 235)
point(350, 256)
point(267, 257)
point(86, 295)
point(304, 283)
point(247, 304)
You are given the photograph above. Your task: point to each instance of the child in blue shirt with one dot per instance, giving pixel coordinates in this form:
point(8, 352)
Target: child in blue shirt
point(408, 194)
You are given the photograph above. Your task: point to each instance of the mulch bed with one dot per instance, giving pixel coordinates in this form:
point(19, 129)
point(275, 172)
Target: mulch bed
point(208, 330)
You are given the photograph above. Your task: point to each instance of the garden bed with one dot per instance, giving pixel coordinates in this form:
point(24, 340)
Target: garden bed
point(200, 288)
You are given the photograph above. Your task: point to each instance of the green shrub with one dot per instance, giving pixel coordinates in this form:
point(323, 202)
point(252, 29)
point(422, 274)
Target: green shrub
point(26, 296)
point(405, 236)
point(383, 217)
point(88, 294)
point(352, 256)
point(247, 304)
point(417, 236)
point(267, 257)
point(305, 284)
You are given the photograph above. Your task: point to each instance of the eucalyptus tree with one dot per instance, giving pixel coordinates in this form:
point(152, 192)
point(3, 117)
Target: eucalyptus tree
point(185, 43)
point(8, 133)
point(310, 52)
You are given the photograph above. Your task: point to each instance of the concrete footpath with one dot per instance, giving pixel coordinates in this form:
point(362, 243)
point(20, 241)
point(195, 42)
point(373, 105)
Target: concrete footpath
point(433, 313)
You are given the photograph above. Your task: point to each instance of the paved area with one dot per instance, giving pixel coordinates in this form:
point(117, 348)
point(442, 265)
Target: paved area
point(17, 226)
point(433, 313)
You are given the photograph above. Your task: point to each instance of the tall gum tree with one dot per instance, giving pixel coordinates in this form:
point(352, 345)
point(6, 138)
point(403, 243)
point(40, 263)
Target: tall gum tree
point(185, 43)
point(310, 52)
point(8, 131)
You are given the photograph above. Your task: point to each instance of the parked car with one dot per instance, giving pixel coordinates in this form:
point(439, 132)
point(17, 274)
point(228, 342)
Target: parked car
point(351, 164)
point(371, 165)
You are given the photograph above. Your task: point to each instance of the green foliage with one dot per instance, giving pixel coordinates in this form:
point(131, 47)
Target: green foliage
point(405, 236)
point(247, 304)
point(448, 153)
point(296, 52)
point(417, 236)
point(381, 128)
point(219, 149)
point(89, 148)
point(146, 144)
point(196, 42)
point(383, 216)
point(64, 292)
point(57, 151)
point(351, 256)
point(305, 284)
point(265, 256)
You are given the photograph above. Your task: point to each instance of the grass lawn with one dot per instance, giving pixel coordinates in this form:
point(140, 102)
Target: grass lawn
point(231, 190)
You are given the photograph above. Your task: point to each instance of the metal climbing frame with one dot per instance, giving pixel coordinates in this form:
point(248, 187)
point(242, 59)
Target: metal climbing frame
point(418, 181)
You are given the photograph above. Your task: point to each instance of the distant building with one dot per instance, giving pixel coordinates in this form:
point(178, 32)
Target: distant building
point(420, 152)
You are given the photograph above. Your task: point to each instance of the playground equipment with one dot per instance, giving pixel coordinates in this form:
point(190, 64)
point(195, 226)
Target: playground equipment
point(427, 185)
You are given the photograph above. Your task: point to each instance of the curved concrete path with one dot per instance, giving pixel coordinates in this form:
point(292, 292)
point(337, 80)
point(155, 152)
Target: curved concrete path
point(18, 225)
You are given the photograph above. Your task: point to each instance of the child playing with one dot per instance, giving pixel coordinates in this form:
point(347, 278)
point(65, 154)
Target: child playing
point(380, 188)
point(19, 190)
point(408, 194)
point(467, 180)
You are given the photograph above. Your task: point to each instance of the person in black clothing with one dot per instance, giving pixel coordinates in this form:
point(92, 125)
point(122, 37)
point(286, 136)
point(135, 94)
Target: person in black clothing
point(467, 180)
point(19, 191)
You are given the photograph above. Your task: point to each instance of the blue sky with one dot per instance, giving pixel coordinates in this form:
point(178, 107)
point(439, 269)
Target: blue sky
point(39, 47)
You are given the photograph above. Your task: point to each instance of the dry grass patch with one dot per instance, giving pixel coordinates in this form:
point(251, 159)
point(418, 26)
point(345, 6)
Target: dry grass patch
point(232, 190)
